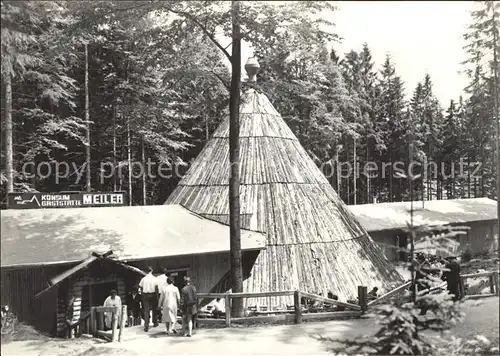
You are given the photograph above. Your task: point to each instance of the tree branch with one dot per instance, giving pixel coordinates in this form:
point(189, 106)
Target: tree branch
point(222, 80)
point(203, 28)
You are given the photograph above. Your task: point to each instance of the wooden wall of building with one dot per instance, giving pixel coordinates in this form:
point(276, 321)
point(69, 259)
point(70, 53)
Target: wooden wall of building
point(387, 241)
point(205, 270)
point(480, 237)
point(74, 287)
point(48, 313)
point(18, 290)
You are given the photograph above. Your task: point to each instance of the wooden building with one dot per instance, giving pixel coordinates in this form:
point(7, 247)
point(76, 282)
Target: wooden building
point(387, 223)
point(313, 241)
point(42, 253)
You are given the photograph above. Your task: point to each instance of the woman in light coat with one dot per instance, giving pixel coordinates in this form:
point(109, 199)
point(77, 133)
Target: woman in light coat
point(169, 302)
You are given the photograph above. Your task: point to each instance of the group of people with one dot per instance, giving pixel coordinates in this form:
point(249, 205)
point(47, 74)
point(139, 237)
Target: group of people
point(160, 299)
point(157, 298)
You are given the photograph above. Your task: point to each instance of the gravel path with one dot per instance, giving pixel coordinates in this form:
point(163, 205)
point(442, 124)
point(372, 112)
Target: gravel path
point(482, 318)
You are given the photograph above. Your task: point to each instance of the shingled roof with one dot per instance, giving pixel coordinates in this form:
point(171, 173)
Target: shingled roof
point(314, 243)
point(67, 235)
point(391, 216)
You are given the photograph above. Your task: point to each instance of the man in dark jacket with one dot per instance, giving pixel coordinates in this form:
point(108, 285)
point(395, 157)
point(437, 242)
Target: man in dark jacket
point(134, 308)
point(452, 278)
point(189, 301)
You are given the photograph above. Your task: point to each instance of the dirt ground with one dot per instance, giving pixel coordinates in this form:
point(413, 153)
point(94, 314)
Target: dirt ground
point(482, 318)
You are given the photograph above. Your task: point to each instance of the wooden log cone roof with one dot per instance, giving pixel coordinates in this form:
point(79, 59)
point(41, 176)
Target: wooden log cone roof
point(314, 243)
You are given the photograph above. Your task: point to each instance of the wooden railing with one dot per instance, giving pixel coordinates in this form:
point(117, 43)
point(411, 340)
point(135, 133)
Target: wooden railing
point(493, 282)
point(389, 294)
point(295, 313)
point(118, 319)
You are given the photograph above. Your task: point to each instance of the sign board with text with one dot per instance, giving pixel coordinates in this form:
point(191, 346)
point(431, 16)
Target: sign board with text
point(64, 200)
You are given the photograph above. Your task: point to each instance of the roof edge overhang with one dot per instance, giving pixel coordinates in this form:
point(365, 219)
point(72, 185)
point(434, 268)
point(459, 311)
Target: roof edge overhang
point(122, 259)
point(430, 226)
point(217, 221)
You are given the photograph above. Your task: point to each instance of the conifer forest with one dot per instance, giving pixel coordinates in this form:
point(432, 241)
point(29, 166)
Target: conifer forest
point(89, 82)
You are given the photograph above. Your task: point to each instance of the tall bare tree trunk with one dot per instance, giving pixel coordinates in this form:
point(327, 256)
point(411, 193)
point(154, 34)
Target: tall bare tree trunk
point(338, 172)
point(114, 146)
point(354, 159)
point(348, 180)
point(129, 160)
point(495, 100)
point(391, 174)
point(468, 176)
point(206, 128)
point(87, 119)
point(9, 149)
point(143, 157)
point(368, 179)
point(234, 159)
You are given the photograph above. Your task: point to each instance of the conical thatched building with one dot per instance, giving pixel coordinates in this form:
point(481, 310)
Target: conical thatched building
point(314, 243)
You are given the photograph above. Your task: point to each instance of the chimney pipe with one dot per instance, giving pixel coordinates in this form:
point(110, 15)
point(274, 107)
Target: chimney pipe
point(252, 67)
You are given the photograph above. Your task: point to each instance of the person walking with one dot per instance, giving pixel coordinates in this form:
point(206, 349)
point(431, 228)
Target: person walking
point(189, 301)
point(161, 283)
point(169, 302)
point(149, 287)
point(134, 307)
point(452, 278)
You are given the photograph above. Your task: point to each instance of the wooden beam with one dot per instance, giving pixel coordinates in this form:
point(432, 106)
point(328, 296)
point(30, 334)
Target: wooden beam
point(247, 295)
point(479, 296)
point(481, 274)
point(332, 315)
point(266, 318)
point(211, 295)
point(330, 301)
point(389, 294)
point(61, 277)
point(106, 309)
point(425, 291)
point(114, 325)
point(126, 266)
point(363, 298)
point(122, 322)
point(93, 321)
point(211, 321)
point(104, 334)
point(297, 307)
point(227, 306)
point(497, 292)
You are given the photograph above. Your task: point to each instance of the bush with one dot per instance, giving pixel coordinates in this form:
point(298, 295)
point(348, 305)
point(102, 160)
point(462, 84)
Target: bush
point(477, 346)
point(466, 256)
point(402, 325)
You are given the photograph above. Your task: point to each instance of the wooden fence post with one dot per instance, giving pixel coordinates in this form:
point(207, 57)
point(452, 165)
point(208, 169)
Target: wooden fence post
point(492, 284)
point(495, 275)
point(227, 302)
point(297, 307)
point(114, 324)
point(363, 298)
point(123, 318)
point(92, 321)
point(100, 323)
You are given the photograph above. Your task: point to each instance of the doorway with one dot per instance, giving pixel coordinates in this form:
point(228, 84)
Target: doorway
point(100, 291)
point(178, 277)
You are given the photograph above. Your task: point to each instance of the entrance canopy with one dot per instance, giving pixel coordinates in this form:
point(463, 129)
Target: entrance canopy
point(69, 235)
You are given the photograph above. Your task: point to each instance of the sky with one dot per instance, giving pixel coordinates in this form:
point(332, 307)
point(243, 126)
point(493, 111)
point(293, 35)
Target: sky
point(421, 37)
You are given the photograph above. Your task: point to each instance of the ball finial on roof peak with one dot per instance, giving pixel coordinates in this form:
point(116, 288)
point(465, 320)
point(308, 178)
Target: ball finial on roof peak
point(252, 67)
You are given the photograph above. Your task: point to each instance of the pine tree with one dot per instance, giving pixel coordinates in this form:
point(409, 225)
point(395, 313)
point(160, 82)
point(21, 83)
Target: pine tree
point(483, 67)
